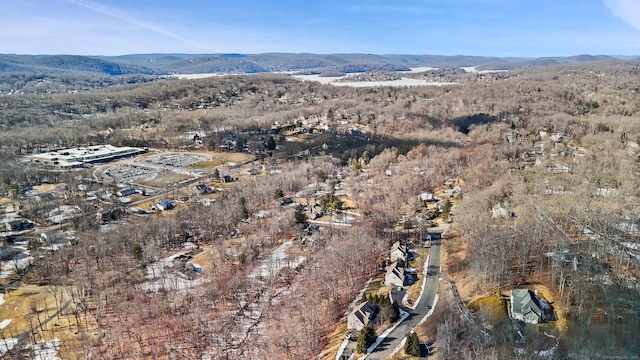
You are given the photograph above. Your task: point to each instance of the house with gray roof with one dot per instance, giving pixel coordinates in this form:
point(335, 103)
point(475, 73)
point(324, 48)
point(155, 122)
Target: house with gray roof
point(395, 275)
point(361, 316)
point(527, 307)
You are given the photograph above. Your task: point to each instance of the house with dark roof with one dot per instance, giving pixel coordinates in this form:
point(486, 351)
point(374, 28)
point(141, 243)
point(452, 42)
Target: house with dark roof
point(527, 307)
point(202, 189)
point(126, 192)
point(395, 275)
point(398, 252)
point(361, 316)
point(162, 205)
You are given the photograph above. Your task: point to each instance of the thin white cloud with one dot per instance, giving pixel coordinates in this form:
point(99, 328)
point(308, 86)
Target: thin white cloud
point(117, 14)
point(627, 10)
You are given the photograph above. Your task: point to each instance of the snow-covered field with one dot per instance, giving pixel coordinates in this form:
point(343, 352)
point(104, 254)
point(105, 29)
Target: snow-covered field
point(275, 262)
point(44, 350)
point(195, 76)
point(47, 350)
point(332, 80)
point(161, 276)
point(395, 83)
point(474, 69)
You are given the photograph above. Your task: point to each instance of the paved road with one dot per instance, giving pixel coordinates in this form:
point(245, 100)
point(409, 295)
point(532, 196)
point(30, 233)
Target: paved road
point(395, 337)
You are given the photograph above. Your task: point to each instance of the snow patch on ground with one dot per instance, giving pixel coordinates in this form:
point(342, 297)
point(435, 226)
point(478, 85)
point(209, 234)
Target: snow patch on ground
point(7, 344)
point(343, 346)
point(1, 299)
point(162, 277)
point(47, 350)
point(630, 228)
point(275, 262)
point(19, 262)
point(4, 323)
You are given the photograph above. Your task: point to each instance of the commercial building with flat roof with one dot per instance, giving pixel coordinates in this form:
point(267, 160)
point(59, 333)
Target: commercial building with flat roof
point(78, 157)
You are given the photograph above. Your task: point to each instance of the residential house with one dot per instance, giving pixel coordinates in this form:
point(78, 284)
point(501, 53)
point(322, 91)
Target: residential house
point(398, 252)
point(453, 192)
point(527, 307)
point(18, 225)
point(499, 212)
point(395, 275)
point(202, 189)
point(227, 178)
point(427, 197)
point(126, 192)
point(164, 204)
point(361, 316)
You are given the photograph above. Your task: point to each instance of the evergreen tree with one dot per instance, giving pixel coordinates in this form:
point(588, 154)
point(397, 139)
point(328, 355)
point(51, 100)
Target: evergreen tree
point(271, 143)
point(242, 203)
point(300, 216)
point(446, 209)
point(366, 337)
point(365, 157)
point(412, 345)
point(277, 194)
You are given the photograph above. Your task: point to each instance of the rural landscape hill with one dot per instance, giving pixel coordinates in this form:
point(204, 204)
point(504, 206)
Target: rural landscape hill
point(149, 64)
point(306, 206)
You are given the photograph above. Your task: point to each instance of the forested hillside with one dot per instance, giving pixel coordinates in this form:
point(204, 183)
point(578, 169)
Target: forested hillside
point(548, 160)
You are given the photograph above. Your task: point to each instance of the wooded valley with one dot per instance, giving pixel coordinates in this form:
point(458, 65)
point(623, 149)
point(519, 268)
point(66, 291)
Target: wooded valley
point(540, 166)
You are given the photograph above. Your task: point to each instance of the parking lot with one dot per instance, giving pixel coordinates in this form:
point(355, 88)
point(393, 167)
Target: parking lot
point(174, 159)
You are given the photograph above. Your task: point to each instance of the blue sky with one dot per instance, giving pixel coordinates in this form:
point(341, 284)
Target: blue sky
point(445, 27)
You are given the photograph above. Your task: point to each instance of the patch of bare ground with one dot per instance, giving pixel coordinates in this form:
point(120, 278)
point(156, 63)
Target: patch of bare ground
point(335, 340)
point(42, 314)
point(222, 159)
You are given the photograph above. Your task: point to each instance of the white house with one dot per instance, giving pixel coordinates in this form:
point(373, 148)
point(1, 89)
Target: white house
point(395, 275)
point(398, 252)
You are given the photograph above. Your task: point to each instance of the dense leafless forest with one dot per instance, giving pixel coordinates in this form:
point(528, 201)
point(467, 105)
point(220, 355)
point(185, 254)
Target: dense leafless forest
point(549, 162)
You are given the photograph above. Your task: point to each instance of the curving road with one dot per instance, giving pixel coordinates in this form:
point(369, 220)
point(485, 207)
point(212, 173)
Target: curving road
point(389, 344)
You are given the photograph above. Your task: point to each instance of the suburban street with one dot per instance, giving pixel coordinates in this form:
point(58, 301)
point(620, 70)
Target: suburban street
point(387, 346)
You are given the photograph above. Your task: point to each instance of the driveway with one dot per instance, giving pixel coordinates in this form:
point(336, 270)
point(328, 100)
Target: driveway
point(393, 340)
point(397, 294)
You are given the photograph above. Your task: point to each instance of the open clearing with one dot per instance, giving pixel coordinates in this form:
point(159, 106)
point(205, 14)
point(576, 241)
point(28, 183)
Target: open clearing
point(488, 309)
point(36, 308)
point(223, 159)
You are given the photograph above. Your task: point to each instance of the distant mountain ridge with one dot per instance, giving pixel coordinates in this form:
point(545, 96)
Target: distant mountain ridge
point(548, 61)
point(271, 62)
point(68, 63)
